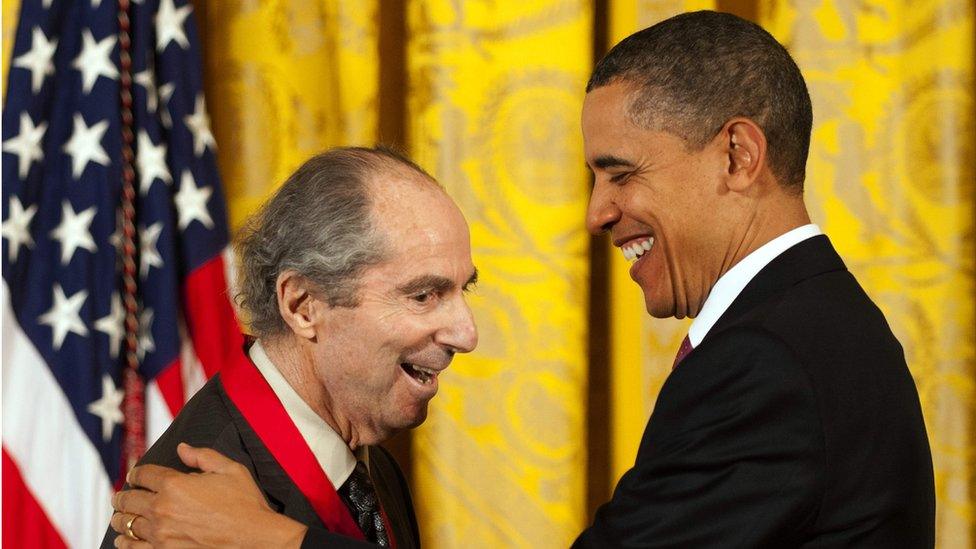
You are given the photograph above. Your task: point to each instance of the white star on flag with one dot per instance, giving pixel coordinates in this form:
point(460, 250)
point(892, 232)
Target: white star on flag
point(85, 145)
point(73, 231)
point(165, 92)
point(27, 144)
point(151, 161)
point(63, 316)
point(146, 342)
point(109, 407)
point(94, 60)
point(148, 253)
point(16, 229)
point(113, 325)
point(39, 59)
point(146, 80)
point(169, 25)
point(199, 125)
point(191, 202)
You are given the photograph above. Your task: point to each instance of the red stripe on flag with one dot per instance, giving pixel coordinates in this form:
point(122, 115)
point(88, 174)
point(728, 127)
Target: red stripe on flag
point(170, 382)
point(25, 523)
point(210, 318)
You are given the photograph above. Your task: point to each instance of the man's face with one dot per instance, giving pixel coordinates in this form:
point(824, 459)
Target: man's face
point(651, 192)
point(379, 362)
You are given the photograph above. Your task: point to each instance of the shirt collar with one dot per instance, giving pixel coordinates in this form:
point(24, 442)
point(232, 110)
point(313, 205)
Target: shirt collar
point(332, 453)
point(730, 285)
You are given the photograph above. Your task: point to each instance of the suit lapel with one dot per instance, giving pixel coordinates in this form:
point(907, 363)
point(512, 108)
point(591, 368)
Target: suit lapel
point(809, 258)
point(277, 487)
point(394, 498)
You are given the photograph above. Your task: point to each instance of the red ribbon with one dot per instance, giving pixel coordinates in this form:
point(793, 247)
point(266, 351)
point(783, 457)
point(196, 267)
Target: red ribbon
point(252, 395)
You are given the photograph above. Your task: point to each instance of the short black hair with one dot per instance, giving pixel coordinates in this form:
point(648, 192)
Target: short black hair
point(694, 72)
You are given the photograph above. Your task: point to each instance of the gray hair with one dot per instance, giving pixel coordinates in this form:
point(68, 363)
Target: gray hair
point(694, 72)
point(318, 225)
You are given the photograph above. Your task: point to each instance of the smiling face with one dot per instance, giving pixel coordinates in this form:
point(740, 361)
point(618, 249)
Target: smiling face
point(379, 362)
point(664, 205)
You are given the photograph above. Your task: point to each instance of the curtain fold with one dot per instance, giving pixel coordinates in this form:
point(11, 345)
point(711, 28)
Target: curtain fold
point(285, 80)
point(891, 180)
point(493, 107)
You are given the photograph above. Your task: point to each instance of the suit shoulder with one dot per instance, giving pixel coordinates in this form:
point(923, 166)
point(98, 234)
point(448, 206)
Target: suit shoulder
point(205, 420)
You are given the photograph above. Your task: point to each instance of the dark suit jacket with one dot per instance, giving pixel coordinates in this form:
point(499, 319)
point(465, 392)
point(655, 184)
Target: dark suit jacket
point(212, 420)
point(795, 423)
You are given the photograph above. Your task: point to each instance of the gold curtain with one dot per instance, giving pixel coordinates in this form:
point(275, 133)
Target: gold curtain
point(286, 79)
point(11, 10)
point(494, 114)
point(891, 180)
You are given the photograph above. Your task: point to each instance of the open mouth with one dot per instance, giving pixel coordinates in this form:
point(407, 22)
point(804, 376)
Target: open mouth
point(423, 375)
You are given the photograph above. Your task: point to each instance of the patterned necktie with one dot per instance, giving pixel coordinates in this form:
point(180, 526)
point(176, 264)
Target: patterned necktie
point(360, 497)
point(682, 352)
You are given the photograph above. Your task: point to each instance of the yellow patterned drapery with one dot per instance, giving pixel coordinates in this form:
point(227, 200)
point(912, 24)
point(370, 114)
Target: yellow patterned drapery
point(891, 180)
point(285, 80)
point(493, 111)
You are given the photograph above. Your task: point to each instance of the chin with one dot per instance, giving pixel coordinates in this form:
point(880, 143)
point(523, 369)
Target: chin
point(659, 309)
point(410, 417)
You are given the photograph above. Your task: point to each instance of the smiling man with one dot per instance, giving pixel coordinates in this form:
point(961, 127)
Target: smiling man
point(353, 279)
point(791, 418)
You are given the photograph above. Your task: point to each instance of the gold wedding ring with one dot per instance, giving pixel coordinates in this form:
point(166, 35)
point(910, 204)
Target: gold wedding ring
point(128, 529)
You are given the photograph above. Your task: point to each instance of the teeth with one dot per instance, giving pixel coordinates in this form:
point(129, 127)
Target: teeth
point(637, 249)
point(424, 375)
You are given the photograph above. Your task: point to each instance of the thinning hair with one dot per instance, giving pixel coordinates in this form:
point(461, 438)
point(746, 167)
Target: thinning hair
point(319, 225)
point(694, 72)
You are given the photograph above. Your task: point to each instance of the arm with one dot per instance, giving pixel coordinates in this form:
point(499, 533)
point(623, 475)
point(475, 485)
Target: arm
point(732, 456)
point(219, 507)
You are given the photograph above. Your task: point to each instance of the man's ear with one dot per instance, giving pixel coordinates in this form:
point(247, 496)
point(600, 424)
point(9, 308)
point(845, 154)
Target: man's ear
point(298, 307)
point(745, 143)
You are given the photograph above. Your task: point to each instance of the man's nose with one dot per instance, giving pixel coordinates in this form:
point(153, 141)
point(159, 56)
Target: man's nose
point(602, 213)
point(459, 333)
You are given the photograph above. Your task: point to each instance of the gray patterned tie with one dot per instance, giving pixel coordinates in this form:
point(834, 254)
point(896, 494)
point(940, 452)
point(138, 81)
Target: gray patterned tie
point(360, 497)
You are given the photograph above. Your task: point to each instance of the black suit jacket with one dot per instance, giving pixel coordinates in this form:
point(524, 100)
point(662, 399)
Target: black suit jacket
point(211, 419)
point(795, 423)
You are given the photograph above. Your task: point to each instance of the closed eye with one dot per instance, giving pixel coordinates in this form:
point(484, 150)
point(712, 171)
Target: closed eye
point(619, 178)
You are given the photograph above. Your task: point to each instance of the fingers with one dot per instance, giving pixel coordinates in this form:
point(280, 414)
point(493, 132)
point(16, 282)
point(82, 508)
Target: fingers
point(205, 459)
point(125, 543)
point(133, 502)
point(127, 523)
point(150, 477)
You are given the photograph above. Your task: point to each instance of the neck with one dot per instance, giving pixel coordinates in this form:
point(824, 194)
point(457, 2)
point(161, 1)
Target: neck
point(766, 224)
point(295, 363)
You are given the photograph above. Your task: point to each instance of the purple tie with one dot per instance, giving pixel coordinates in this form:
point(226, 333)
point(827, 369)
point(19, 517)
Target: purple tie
point(682, 352)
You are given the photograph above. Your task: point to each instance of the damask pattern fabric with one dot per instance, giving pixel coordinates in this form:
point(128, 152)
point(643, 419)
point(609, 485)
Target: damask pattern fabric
point(891, 179)
point(494, 115)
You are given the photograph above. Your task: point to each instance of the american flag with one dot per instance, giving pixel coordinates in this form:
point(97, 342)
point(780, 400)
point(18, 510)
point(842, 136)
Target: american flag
point(63, 312)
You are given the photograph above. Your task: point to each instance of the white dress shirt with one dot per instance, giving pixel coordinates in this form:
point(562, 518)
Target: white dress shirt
point(332, 453)
point(730, 285)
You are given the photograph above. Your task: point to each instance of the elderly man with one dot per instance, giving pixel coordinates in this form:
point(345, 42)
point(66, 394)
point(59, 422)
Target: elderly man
point(353, 278)
point(791, 418)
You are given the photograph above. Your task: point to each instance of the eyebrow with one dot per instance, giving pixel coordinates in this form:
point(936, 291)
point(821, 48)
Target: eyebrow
point(610, 161)
point(435, 283)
